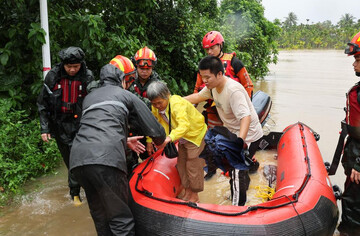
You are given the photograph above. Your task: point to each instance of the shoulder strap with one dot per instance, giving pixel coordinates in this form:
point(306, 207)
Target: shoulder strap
point(227, 57)
point(169, 117)
point(358, 94)
point(236, 64)
point(339, 148)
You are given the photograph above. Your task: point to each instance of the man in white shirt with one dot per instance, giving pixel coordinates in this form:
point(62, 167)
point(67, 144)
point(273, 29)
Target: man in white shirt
point(236, 112)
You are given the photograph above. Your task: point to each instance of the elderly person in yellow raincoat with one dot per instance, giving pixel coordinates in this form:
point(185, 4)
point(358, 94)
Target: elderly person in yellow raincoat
point(189, 128)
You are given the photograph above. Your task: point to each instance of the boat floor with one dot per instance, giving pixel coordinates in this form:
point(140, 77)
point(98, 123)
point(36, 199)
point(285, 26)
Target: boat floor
point(217, 189)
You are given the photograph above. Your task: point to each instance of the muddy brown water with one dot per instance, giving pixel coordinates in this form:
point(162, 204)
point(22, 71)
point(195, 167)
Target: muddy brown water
point(307, 86)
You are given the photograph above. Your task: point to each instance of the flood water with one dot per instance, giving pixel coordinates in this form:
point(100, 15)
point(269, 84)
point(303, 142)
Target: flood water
point(307, 86)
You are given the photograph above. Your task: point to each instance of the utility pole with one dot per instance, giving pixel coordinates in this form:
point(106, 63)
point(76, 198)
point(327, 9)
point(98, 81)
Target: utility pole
point(46, 46)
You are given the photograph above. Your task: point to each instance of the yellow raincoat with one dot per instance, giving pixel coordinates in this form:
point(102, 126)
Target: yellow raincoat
point(186, 121)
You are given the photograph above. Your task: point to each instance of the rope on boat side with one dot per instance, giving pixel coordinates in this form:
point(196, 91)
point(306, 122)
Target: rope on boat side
point(250, 208)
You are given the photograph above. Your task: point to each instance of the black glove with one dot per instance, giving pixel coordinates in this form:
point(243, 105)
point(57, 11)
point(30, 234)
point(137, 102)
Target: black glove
point(241, 143)
point(243, 146)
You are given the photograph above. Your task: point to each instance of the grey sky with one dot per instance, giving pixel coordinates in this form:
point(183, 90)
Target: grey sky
point(314, 10)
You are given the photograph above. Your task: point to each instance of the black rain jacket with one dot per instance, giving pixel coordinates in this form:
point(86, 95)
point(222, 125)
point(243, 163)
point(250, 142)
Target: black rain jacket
point(60, 125)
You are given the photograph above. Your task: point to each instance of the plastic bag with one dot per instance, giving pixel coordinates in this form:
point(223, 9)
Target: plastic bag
point(170, 150)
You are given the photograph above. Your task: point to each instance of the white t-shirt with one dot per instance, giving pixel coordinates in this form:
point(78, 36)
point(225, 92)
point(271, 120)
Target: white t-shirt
point(232, 104)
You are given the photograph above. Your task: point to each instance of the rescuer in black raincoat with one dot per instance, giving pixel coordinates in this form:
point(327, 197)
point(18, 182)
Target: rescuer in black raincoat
point(60, 104)
point(98, 158)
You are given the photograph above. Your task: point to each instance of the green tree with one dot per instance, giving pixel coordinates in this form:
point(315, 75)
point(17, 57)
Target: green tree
point(21, 39)
point(290, 20)
point(347, 27)
point(346, 21)
point(322, 35)
point(250, 34)
point(180, 51)
point(22, 154)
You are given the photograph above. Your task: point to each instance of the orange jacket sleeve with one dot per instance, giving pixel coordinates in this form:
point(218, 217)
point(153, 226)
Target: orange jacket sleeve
point(199, 83)
point(245, 80)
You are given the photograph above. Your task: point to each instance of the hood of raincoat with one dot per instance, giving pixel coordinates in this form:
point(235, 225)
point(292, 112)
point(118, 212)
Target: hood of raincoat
point(72, 55)
point(110, 74)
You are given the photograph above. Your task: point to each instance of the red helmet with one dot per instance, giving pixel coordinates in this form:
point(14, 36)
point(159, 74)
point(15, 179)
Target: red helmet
point(145, 58)
point(353, 47)
point(125, 65)
point(212, 38)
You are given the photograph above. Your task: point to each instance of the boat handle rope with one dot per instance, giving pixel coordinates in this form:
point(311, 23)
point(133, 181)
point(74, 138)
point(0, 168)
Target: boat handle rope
point(250, 208)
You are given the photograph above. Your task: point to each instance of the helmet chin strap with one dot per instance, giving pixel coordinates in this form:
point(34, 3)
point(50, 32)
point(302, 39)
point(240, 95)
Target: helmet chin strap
point(221, 51)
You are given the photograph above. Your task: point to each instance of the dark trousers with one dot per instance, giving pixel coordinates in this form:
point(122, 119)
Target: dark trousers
point(239, 184)
point(350, 200)
point(64, 149)
point(107, 191)
point(240, 180)
point(350, 205)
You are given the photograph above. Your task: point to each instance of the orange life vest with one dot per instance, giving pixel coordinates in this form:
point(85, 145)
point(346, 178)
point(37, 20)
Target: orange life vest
point(72, 90)
point(229, 70)
point(238, 74)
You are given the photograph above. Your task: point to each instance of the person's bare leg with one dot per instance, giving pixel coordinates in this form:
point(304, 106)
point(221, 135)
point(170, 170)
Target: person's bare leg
point(187, 195)
point(194, 197)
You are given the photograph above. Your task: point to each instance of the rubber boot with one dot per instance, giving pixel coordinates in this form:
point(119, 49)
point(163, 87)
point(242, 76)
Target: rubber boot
point(77, 200)
point(254, 167)
point(209, 174)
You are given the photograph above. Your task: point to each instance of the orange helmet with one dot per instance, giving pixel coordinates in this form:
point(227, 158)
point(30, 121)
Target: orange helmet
point(353, 47)
point(145, 58)
point(126, 66)
point(212, 38)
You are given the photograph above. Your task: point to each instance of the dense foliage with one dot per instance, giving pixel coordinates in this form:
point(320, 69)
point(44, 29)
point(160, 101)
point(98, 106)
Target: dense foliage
point(22, 154)
point(172, 28)
point(249, 34)
point(321, 35)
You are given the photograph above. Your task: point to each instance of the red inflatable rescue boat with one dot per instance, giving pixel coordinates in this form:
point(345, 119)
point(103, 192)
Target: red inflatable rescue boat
point(303, 204)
